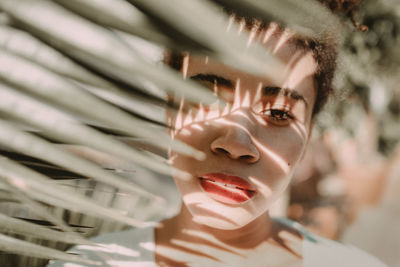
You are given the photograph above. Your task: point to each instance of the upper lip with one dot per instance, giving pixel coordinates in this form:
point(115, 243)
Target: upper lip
point(237, 181)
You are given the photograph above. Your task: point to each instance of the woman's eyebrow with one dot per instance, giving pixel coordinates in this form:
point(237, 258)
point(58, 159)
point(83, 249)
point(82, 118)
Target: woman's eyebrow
point(212, 78)
point(275, 90)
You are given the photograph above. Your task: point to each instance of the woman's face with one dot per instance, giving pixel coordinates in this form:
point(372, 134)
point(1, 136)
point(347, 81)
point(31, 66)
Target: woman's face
point(252, 146)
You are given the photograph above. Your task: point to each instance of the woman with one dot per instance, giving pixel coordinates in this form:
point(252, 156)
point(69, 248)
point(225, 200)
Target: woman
point(252, 147)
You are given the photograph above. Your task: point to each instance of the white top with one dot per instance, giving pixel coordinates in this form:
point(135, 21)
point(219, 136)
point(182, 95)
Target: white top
point(135, 247)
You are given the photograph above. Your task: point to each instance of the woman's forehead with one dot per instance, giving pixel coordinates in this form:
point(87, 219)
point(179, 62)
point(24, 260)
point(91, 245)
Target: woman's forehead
point(299, 74)
point(281, 43)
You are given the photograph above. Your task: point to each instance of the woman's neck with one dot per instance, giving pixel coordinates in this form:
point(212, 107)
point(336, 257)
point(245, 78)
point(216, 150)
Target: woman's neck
point(183, 227)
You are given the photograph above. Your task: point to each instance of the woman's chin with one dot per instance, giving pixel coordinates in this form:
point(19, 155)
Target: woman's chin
point(207, 211)
point(218, 223)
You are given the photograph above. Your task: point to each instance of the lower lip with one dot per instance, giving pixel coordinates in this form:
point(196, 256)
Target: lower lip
point(225, 195)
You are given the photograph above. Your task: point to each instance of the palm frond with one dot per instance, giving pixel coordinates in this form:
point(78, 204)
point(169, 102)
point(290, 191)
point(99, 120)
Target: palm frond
point(98, 47)
point(71, 72)
point(59, 91)
point(31, 145)
point(25, 45)
point(59, 125)
point(211, 32)
point(9, 244)
point(19, 196)
point(31, 229)
point(39, 187)
point(121, 15)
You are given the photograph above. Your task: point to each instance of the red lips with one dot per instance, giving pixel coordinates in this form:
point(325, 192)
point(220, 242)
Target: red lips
point(226, 188)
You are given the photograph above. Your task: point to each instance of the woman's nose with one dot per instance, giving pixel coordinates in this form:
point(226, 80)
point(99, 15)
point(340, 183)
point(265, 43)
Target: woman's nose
point(235, 143)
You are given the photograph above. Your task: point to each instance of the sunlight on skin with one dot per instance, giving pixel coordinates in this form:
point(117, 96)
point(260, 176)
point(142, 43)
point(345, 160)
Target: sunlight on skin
point(188, 118)
point(199, 198)
point(171, 158)
point(237, 99)
point(241, 113)
point(210, 238)
point(185, 132)
point(300, 129)
point(258, 93)
point(179, 119)
point(200, 116)
point(217, 253)
point(230, 23)
point(198, 247)
point(284, 38)
point(295, 59)
point(226, 122)
point(226, 110)
point(215, 89)
point(246, 101)
point(211, 219)
point(185, 65)
point(260, 121)
point(214, 112)
point(252, 35)
point(264, 190)
point(223, 256)
point(197, 127)
point(240, 102)
point(283, 165)
point(182, 256)
point(278, 160)
point(259, 135)
point(242, 24)
point(231, 213)
point(269, 32)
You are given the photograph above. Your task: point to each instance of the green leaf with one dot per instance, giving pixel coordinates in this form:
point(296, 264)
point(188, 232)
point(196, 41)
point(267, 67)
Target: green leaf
point(142, 106)
point(120, 15)
point(25, 45)
point(211, 31)
point(33, 146)
point(14, 245)
point(25, 228)
point(38, 186)
point(37, 207)
point(98, 47)
point(60, 126)
point(52, 87)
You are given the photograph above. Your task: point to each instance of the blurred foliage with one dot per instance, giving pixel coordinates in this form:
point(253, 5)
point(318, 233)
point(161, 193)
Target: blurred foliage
point(368, 78)
point(115, 78)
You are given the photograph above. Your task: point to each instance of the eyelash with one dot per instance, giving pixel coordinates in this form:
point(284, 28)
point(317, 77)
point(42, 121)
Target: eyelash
point(284, 119)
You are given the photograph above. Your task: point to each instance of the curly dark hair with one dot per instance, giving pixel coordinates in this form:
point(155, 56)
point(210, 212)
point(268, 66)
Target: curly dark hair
point(324, 50)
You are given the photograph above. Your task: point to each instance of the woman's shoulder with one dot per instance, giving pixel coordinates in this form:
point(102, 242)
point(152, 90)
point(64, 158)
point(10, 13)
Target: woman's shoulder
point(124, 248)
point(320, 251)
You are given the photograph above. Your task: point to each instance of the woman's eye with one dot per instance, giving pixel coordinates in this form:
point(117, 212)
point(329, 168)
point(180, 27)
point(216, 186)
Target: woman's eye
point(278, 116)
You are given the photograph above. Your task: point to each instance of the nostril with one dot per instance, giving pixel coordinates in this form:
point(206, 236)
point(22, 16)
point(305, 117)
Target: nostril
point(221, 150)
point(246, 157)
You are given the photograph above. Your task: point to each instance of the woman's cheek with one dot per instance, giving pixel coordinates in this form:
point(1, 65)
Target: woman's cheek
point(284, 146)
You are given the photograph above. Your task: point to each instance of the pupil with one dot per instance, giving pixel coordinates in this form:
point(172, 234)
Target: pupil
point(278, 114)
